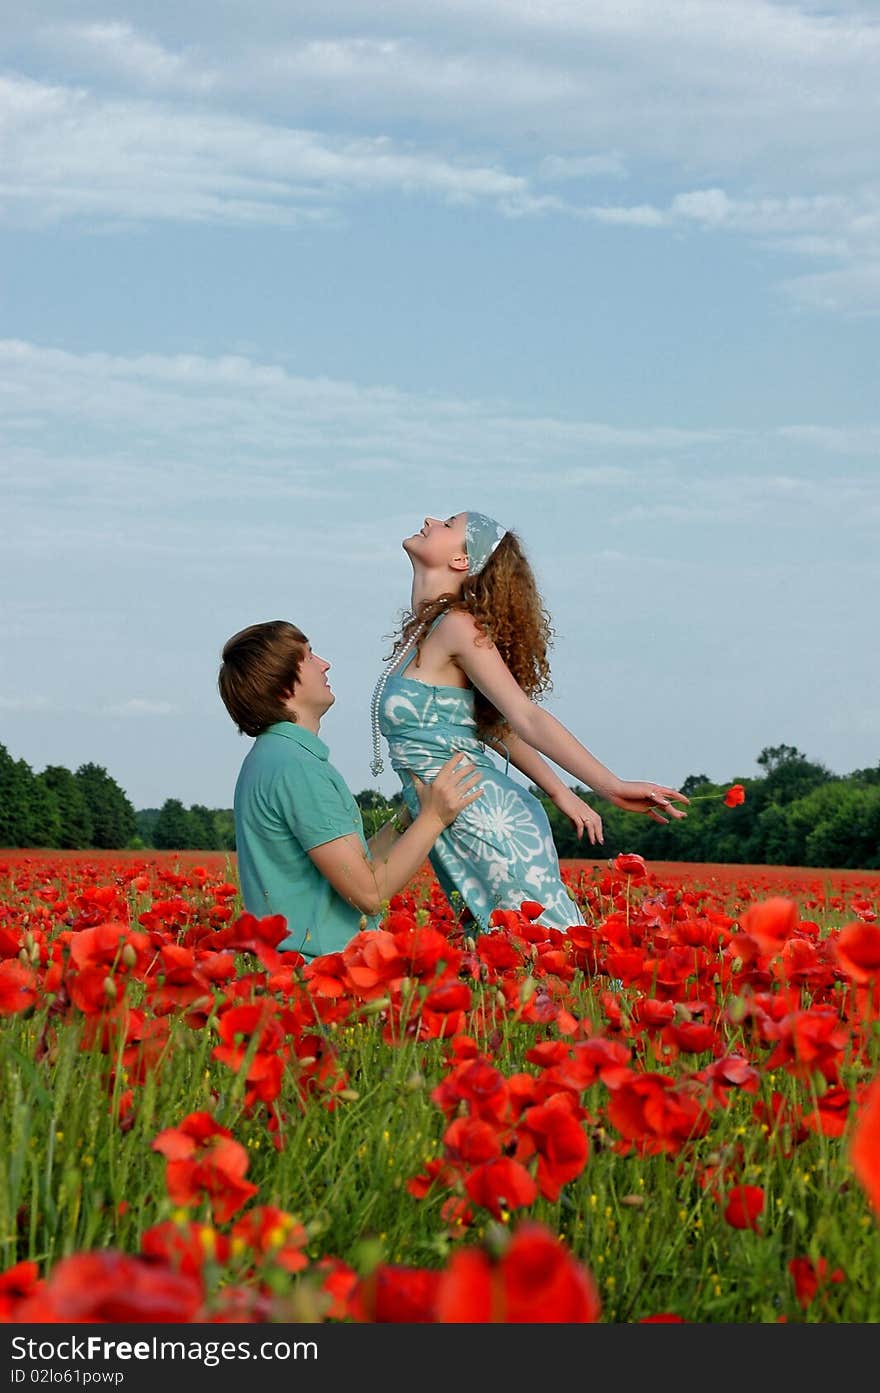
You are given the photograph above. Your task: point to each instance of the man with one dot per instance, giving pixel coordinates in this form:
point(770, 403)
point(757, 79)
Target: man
point(298, 830)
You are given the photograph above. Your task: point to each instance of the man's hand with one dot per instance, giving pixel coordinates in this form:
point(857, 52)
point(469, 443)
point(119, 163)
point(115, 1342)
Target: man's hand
point(454, 787)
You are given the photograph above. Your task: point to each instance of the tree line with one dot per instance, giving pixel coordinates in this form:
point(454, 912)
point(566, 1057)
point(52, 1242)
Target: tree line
point(796, 813)
point(87, 809)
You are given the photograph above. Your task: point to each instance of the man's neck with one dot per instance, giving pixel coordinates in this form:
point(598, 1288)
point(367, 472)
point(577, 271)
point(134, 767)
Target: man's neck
point(308, 721)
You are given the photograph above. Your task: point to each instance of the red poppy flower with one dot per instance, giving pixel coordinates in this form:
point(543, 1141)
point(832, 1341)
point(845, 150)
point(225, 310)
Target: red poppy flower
point(744, 1207)
point(536, 1282)
point(631, 864)
point(831, 1113)
point(865, 1147)
point(373, 960)
point(273, 1234)
point(483, 1088)
point(338, 1282)
point(205, 1162)
point(858, 951)
point(808, 1276)
point(731, 1071)
point(397, 1295)
point(113, 1287)
point(448, 996)
point(808, 1041)
point(769, 923)
point(501, 1185)
point(422, 948)
point(17, 1283)
point(471, 1141)
point(651, 1114)
point(186, 1247)
point(18, 988)
point(531, 909)
point(558, 1136)
point(735, 795)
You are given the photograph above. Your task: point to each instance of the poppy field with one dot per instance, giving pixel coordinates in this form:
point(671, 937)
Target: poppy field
point(668, 1114)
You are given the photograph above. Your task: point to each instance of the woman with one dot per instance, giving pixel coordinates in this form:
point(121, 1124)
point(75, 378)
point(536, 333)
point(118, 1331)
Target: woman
point(469, 661)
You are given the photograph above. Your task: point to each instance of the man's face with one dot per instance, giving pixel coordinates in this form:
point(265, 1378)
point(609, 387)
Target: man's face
point(311, 691)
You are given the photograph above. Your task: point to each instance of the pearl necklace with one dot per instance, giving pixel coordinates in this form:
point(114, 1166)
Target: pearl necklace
point(376, 765)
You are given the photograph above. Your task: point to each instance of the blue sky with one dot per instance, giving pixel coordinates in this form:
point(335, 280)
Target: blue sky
point(278, 280)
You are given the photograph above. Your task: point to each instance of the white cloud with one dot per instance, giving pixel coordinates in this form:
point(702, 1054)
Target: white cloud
point(852, 290)
point(198, 423)
point(820, 226)
point(71, 154)
point(225, 455)
point(561, 168)
point(843, 440)
point(639, 215)
point(467, 102)
point(140, 706)
point(117, 49)
point(776, 92)
point(28, 704)
point(792, 500)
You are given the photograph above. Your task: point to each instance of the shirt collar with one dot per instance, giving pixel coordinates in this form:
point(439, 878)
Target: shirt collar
point(301, 736)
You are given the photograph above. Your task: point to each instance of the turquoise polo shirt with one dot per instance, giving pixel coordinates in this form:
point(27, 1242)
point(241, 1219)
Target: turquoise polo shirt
point(288, 800)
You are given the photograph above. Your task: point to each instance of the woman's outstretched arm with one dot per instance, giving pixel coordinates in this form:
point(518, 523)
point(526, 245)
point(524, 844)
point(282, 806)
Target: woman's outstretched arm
point(486, 669)
point(527, 760)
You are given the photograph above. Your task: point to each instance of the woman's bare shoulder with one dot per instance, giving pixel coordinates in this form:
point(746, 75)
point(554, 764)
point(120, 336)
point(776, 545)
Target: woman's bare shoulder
point(459, 628)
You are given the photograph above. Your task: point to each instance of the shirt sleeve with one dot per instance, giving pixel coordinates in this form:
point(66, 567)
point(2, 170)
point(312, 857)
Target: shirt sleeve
point(314, 808)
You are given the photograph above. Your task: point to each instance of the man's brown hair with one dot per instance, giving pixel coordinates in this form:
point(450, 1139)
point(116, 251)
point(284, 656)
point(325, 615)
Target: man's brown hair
point(260, 667)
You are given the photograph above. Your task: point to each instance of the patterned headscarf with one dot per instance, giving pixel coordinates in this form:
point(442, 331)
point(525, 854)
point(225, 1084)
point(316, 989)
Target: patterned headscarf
point(482, 536)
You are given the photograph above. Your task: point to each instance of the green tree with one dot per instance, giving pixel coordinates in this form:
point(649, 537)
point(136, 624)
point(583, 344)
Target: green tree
point(376, 809)
point(145, 819)
point(113, 818)
point(693, 782)
point(173, 829)
point(28, 811)
point(866, 776)
point(44, 815)
point(75, 822)
point(203, 833)
point(789, 773)
point(846, 830)
point(224, 825)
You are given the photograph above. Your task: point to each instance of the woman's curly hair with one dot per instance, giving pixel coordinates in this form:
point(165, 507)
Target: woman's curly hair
point(504, 601)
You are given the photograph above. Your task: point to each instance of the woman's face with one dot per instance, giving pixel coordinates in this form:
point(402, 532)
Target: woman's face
point(439, 542)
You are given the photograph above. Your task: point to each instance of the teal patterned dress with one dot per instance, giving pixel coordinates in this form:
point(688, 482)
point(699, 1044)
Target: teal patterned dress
point(499, 851)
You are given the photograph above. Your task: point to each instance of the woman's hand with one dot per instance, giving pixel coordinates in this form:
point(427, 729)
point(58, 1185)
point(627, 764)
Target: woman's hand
point(580, 815)
point(454, 787)
point(653, 799)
